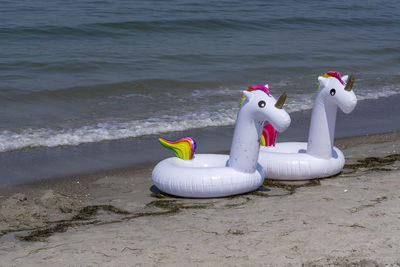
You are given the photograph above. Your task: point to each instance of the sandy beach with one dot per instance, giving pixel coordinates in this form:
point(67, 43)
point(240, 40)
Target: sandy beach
point(88, 88)
point(119, 219)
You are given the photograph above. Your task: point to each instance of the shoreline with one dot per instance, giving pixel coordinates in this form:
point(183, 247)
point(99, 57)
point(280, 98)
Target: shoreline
point(80, 183)
point(65, 184)
point(29, 165)
point(84, 213)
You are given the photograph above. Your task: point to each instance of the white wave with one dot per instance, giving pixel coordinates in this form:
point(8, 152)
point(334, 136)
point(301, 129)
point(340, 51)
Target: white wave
point(299, 102)
point(386, 91)
point(221, 91)
point(112, 130)
point(127, 96)
point(47, 137)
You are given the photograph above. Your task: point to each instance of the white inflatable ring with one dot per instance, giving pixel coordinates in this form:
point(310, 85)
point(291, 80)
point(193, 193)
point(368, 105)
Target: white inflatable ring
point(206, 175)
point(288, 161)
point(213, 175)
point(318, 157)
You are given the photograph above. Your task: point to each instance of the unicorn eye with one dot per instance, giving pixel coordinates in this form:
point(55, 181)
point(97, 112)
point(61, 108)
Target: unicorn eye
point(332, 92)
point(261, 104)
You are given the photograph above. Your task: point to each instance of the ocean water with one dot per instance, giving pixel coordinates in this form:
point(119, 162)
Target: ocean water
point(74, 72)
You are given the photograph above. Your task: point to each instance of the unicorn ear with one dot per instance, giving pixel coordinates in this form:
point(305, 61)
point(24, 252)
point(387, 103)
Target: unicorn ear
point(267, 85)
point(345, 78)
point(248, 95)
point(322, 80)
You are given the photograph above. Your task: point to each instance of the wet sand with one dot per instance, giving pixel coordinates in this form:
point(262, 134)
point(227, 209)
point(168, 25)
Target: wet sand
point(119, 218)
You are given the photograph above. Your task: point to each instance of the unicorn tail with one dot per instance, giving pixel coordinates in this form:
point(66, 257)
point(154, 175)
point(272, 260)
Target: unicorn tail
point(269, 135)
point(183, 148)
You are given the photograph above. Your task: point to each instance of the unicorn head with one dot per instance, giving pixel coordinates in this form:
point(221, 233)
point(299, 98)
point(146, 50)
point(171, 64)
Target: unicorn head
point(257, 107)
point(262, 107)
point(336, 90)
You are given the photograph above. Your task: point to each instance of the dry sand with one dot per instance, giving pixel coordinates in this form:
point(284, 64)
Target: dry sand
point(119, 219)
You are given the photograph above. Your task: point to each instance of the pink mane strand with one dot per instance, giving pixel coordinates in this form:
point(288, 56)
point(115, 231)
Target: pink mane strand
point(270, 135)
point(261, 88)
point(335, 75)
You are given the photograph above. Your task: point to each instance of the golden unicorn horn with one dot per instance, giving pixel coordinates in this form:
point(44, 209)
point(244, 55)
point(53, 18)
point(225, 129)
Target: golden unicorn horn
point(281, 101)
point(350, 82)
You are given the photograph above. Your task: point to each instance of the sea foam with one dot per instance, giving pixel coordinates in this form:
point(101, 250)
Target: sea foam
point(114, 130)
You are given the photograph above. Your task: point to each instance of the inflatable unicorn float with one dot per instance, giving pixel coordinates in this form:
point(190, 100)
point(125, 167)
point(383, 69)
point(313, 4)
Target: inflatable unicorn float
point(318, 157)
point(214, 175)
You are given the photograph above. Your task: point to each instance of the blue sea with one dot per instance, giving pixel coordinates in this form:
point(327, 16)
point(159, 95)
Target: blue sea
point(78, 72)
point(73, 72)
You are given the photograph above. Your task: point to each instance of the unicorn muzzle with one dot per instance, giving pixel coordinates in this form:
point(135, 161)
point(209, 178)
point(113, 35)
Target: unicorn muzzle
point(281, 101)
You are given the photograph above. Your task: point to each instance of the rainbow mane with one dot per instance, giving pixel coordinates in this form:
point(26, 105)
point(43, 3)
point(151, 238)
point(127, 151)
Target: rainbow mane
point(269, 135)
point(254, 88)
point(334, 75)
point(183, 148)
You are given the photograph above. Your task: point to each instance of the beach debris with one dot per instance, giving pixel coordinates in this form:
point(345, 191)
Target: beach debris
point(19, 211)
